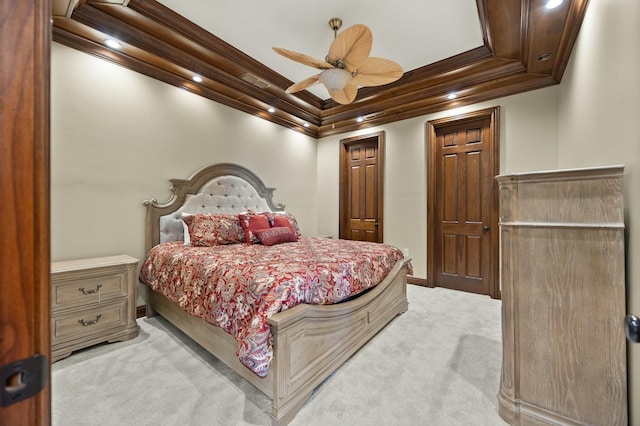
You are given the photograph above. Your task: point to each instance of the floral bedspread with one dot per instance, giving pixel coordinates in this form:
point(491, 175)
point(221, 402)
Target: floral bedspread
point(239, 286)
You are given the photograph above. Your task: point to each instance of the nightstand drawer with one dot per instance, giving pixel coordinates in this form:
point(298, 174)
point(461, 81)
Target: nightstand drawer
point(85, 291)
point(85, 322)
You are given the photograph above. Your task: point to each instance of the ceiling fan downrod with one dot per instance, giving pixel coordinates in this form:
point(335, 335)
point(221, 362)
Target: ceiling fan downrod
point(335, 24)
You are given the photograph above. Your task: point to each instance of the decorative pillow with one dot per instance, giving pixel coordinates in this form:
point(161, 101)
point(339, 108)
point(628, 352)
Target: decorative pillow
point(276, 235)
point(282, 221)
point(251, 222)
point(213, 229)
point(277, 220)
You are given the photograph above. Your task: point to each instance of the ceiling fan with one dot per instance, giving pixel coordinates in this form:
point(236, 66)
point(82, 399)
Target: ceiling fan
point(347, 66)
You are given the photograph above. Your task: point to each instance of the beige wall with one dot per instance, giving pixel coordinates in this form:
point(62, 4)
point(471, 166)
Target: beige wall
point(599, 111)
point(117, 137)
point(528, 141)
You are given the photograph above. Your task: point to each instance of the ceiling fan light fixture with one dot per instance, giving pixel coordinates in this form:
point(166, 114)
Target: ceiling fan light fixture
point(334, 79)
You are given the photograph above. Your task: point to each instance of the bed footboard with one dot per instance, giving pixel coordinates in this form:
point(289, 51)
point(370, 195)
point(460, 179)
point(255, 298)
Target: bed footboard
point(311, 341)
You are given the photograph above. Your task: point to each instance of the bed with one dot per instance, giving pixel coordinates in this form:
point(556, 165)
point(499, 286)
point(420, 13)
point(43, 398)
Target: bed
point(306, 342)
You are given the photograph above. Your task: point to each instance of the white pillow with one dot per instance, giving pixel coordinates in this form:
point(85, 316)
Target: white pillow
point(185, 230)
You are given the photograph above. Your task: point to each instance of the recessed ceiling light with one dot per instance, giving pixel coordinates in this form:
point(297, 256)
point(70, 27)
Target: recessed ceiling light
point(114, 44)
point(306, 124)
point(197, 79)
point(271, 110)
point(359, 119)
point(552, 4)
point(452, 96)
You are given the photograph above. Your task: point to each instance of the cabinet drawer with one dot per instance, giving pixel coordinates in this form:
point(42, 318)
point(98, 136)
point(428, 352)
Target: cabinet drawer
point(89, 290)
point(81, 323)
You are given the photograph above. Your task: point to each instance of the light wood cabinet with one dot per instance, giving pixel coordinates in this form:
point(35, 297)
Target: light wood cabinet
point(563, 298)
point(92, 301)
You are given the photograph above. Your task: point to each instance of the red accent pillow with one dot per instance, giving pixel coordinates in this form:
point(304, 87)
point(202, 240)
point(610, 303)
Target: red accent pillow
point(276, 235)
point(292, 222)
point(251, 222)
point(213, 229)
point(282, 221)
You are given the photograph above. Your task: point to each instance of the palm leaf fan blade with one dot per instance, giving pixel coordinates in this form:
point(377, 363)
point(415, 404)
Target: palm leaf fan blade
point(352, 47)
point(301, 85)
point(303, 59)
point(376, 72)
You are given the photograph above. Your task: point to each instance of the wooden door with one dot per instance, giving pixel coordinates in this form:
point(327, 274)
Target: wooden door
point(361, 188)
point(462, 203)
point(24, 206)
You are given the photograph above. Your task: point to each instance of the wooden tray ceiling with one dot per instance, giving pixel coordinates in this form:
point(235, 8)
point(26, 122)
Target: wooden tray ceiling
point(525, 48)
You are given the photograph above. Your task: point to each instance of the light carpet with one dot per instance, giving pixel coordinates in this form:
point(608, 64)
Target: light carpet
point(437, 364)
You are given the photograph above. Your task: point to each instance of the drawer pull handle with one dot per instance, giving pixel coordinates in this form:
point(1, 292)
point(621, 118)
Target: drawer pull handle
point(97, 289)
point(86, 323)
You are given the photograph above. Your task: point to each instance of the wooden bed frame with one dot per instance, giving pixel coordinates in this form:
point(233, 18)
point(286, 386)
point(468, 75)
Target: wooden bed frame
point(310, 342)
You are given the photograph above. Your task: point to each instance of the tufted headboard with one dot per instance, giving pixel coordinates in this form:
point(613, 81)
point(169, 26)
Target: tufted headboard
point(219, 188)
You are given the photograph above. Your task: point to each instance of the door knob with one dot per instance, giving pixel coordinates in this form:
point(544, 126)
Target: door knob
point(632, 328)
point(485, 228)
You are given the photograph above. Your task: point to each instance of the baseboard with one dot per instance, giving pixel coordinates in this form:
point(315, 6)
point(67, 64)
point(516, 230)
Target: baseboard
point(417, 281)
point(141, 311)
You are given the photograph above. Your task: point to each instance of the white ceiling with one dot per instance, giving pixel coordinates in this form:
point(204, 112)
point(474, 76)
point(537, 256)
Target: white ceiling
point(412, 33)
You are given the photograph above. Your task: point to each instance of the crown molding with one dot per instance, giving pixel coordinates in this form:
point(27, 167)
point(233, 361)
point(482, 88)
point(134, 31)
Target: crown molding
point(161, 44)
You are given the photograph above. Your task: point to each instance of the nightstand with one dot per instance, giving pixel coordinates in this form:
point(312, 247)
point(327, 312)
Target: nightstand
point(92, 301)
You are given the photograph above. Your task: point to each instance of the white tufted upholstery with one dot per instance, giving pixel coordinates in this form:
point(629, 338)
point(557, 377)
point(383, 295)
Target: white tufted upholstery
point(223, 194)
